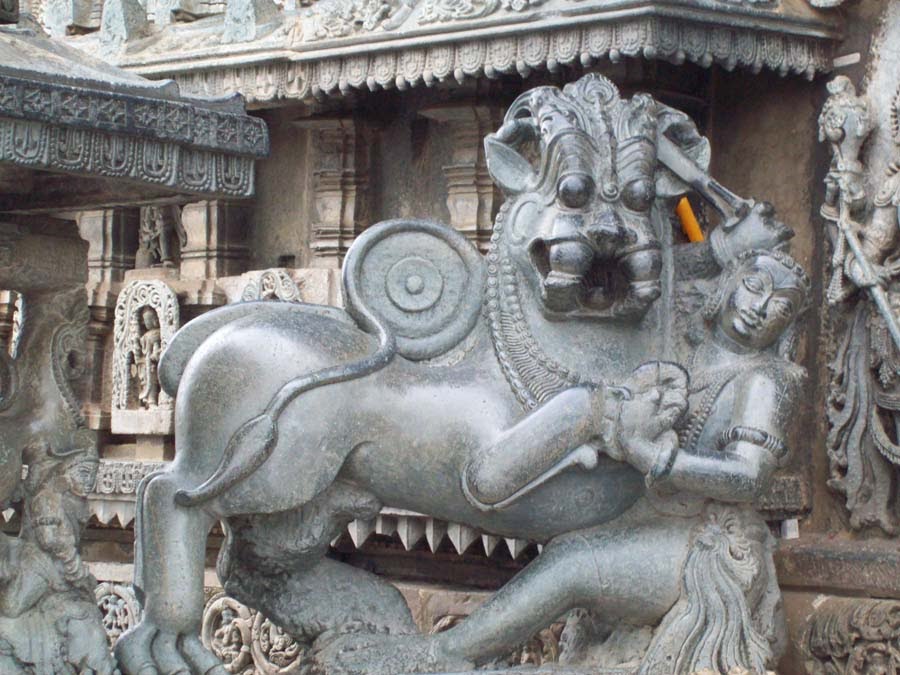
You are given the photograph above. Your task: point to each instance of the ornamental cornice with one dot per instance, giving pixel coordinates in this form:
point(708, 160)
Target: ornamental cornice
point(316, 52)
point(64, 111)
point(151, 119)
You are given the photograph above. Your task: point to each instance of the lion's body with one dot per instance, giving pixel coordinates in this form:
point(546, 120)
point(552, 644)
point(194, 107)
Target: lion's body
point(405, 433)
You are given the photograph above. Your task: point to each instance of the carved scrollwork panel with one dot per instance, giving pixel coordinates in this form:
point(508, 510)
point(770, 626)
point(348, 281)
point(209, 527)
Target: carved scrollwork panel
point(246, 641)
point(273, 284)
point(120, 608)
point(853, 636)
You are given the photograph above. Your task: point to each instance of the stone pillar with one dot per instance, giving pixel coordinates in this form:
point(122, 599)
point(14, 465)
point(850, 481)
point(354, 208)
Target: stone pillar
point(471, 197)
point(112, 239)
point(340, 188)
point(216, 240)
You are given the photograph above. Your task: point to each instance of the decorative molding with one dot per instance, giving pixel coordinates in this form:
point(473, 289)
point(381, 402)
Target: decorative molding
point(853, 636)
point(170, 121)
point(116, 488)
point(288, 67)
point(44, 146)
point(117, 482)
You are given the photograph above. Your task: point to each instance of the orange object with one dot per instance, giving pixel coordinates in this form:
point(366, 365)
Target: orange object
point(689, 224)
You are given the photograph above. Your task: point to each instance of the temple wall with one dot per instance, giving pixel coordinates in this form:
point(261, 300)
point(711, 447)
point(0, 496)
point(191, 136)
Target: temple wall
point(341, 164)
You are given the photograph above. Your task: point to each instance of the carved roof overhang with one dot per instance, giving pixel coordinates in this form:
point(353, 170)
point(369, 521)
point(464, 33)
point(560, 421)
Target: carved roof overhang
point(338, 45)
point(64, 112)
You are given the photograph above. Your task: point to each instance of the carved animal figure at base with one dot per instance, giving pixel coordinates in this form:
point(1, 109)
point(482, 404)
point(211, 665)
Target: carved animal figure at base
point(531, 394)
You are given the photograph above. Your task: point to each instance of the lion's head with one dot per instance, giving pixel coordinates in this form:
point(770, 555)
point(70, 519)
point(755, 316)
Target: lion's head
point(579, 168)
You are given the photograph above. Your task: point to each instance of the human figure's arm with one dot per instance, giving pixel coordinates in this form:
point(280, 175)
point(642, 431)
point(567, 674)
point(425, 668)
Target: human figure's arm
point(572, 427)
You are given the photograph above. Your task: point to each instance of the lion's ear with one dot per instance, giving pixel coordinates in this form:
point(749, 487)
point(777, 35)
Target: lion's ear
point(510, 170)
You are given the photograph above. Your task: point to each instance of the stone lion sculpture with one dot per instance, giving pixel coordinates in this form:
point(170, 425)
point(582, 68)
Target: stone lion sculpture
point(533, 393)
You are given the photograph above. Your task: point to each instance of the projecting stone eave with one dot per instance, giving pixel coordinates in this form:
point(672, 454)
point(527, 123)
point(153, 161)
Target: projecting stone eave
point(305, 54)
point(64, 112)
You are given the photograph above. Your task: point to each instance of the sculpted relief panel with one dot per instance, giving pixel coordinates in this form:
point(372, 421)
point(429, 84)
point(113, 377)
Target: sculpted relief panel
point(544, 392)
point(861, 212)
point(48, 620)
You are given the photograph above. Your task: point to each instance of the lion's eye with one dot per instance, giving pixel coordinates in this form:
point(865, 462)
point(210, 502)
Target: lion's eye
point(754, 284)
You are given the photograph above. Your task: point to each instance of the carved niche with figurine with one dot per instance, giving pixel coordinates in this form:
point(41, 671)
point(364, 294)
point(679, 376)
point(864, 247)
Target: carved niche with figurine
point(545, 391)
point(146, 319)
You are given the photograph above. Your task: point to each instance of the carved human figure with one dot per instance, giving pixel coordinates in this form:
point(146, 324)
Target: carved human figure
point(521, 394)
point(146, 358)
point(162, 236)
point(864, 405)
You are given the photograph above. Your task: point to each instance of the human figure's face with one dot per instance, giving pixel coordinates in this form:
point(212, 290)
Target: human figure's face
point(150, 319)
point(761, 301)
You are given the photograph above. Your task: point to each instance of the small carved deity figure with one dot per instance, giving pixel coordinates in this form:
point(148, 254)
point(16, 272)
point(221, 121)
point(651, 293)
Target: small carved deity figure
point(162, 236)
point(146, 358)
point(864, 405)
point(227, 637)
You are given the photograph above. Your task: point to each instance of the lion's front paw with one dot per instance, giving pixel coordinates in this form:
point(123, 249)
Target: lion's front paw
point(148, 650)
point(383, 655)
point(656, 397)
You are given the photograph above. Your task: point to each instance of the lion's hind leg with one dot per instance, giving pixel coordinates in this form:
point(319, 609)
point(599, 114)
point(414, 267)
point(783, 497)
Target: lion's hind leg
point(170, 554)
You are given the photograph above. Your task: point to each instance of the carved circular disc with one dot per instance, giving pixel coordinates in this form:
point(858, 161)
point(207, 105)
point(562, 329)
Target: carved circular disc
point(414, 284)
point(422, 279)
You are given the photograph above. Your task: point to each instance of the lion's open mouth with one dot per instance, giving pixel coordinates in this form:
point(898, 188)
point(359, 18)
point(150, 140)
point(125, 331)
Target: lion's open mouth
point(572, 277)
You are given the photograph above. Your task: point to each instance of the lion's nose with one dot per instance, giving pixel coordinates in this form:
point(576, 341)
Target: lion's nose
point(575, 190)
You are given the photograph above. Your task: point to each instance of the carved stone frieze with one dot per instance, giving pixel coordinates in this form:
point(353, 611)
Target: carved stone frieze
point(118, 126)
point(864, 402)
point(146, 318)
point(853, 636)
point(295, 57)
point(116, 487)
